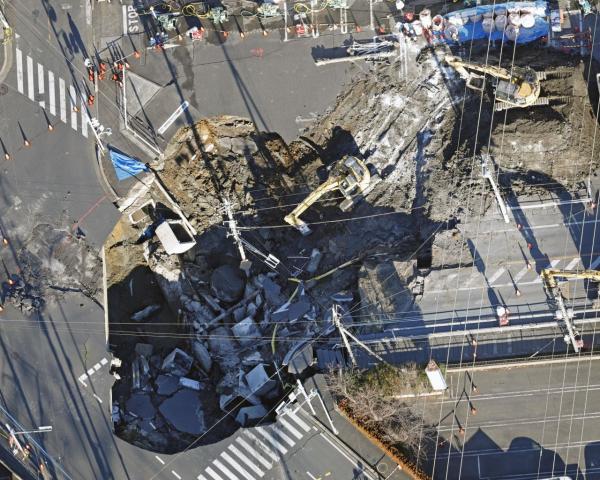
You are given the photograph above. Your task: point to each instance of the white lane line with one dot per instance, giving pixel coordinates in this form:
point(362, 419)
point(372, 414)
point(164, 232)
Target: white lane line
point(285, 438)
point(51, 93)
point(272, 440)
point(91, 371)
point(125, 20)
point(20, 85)
point(169, 121)
point(288, 426)
point(236, 466)
point(497, 275)
point(595, 263)
point(97, 367)
point(82, 378)
point(246, 460)
point(84, 117)
point(97, 398)
point(299, 421)
point(30, 90)
point(63, 100)
point(176, 475)
point(213, 474)
point(41, 85)
point(73, 100)
point(571, 265)
point(263, 446)
point(104, 361)
point(254, 453)
point(159, 459)
point(200, 477)
point(521, 274)
point(358, 466)
point(311, 476)
point(225, 470)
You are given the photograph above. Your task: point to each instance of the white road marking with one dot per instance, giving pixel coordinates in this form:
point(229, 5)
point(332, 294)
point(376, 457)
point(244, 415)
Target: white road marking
point(30, 90)
point(63, 100)
point(200, 477)
point(253, 452)
point(553, 264)
point(159, 459)
point(91, 371)
point(82, 378)
point(20, 85)
point(236, 466)
point(97, 398)
point(521, 274)
point(572, 263)
point(213, 474)
point(41, 79)
point(225, 470)
point(246, 460)
point(312, 477)
point(595, 263)
point(97, 367)
point(176, 475)
point(497, 275)
point(358, 466)
point(272, 440)
point(287, 425)
point(182, 108)
point(73, 100)
point(263, 446)
point(286, 439)
point(51, 93)
point(299, 421)
point(104, 361)
point(84, 118)
point(125, 30)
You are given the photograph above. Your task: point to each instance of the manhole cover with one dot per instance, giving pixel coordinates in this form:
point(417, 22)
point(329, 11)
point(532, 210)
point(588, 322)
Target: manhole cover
point(3, 89)
point(382, 467)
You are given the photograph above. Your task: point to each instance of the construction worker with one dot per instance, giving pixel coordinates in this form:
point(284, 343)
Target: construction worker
point(502, 314)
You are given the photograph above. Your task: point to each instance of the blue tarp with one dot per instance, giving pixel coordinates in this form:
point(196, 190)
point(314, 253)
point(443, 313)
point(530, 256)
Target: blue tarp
point(125, 166)
point(474, 31)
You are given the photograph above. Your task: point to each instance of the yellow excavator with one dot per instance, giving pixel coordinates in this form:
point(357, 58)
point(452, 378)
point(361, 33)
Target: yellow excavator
point(350, 176)
point(550, 278)
point(518, 87)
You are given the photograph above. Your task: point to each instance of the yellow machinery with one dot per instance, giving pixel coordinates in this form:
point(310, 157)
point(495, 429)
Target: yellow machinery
point(550, 278)
point(350, 176)
point(518, 87)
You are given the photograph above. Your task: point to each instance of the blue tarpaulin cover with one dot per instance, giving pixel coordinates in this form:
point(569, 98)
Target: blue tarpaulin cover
point(474, 31)
point(125, 166)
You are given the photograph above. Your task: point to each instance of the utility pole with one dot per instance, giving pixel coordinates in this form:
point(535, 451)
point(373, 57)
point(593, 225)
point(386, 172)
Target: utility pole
point(245, 264)
point(345, 333)
point(489, 172)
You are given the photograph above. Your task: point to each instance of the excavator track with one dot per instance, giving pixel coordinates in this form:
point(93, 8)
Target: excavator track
point(558, 73)
point(540, 102)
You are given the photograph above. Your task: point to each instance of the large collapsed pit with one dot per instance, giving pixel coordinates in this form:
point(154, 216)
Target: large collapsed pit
point(421, 135)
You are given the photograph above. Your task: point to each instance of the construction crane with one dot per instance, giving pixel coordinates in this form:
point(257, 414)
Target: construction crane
point(350, 176)
point(550, 278)
point(519, 87)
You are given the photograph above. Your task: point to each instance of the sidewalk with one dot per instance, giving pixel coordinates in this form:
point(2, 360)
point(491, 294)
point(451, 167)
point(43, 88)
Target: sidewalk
point(348, 435)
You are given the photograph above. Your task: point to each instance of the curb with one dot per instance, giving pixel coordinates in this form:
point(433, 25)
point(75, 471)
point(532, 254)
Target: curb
point(523, 363)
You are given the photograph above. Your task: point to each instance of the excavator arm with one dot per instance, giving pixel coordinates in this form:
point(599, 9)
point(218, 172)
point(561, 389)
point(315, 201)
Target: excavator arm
point(463, 68)
point(550, 278)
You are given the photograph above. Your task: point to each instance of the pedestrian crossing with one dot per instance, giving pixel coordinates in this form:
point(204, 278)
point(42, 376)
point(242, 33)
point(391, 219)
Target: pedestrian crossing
point(38, 83)
point(254, 451)
point(471, 279)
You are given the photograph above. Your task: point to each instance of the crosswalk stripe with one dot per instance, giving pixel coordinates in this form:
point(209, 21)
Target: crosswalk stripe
point(200, 477)
point(73, 99)
point(41, 83)
point(51, 93)
point(236, 466)
point(246, 460)
point(521, 274)
point(84, 118)
point(287, 425)
point(63, 100)
point(272, 440)
point(303, 425)
point(572, 264)
point(213, 474)
point(553, 264)
point(253, 452)
point(20, 85)
point(225, 470)
point(30, 91)
point(278, 431)
point(263, 446)
point(497, 275)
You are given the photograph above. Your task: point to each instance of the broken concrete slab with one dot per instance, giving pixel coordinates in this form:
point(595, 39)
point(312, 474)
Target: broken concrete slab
point(342, 297)
point(272, 292)
point(227, 283)
point(140, 405)
point(145, 312)
point(258, 380)
point(243, 146)
point(299, 357)
point(247, 415)
point(298, 309)
point(184, 412)
point(223, 348)
point(144, 349)
point(177, 363)
point(166, 384)
point(201, 355)
point(314, 261)
point(246, 331)
point(190, 383)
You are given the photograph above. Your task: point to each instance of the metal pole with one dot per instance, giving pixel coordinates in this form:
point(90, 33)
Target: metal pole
point(285, 21)
point(371, 20)
point(487, 173)
point(303, 392)
point(125, 99)
point(333, 429)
